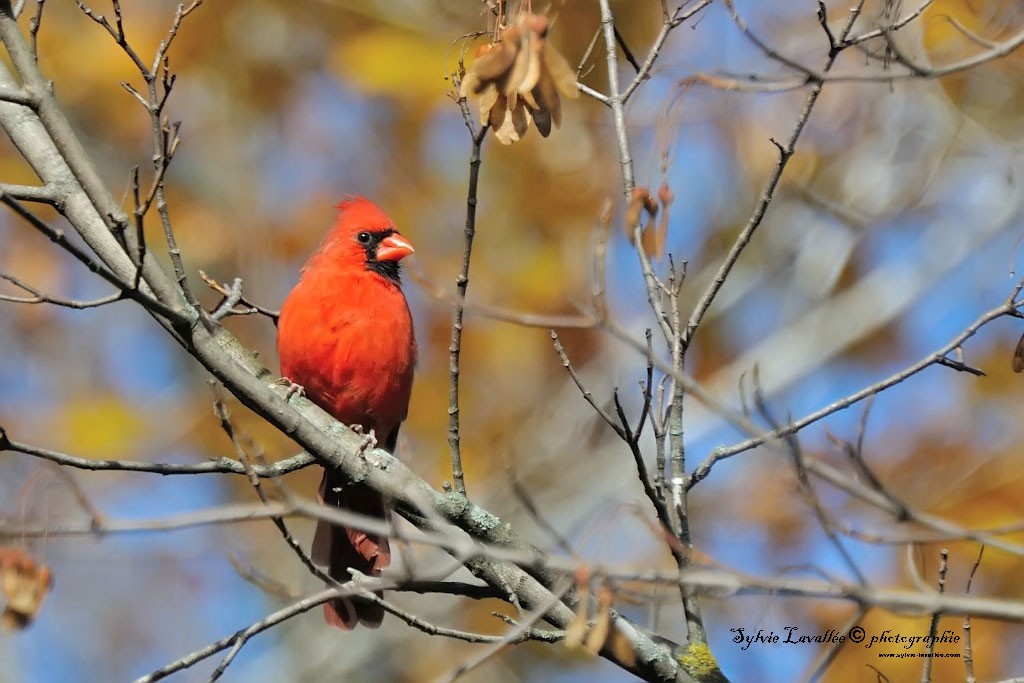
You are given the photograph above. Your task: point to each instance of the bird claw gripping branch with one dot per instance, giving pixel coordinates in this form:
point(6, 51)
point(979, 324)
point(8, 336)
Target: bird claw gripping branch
point(293, 389)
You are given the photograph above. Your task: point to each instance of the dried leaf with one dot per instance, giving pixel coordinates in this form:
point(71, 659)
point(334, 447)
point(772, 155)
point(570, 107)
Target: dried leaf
point(563, 75)
point(531, 101)
point(541, 114)
point(602, 627)
point(520, 120)
point(536, 23)
point(542, 118)
point(488, 99)
point(514, 125)
point(547, 97)
point(1018, 356)
point(621, 647)
point(650, 205)
point(654, 246)
point(533, 48)
point(470, 84)
point(578, 628)
point(652, 242)
point(639, 197)
point(545, 105)
point(497, 58)
point(665, 196)
point(518, 80)
point(498, 111)
point(24, 584)
point(510, 82)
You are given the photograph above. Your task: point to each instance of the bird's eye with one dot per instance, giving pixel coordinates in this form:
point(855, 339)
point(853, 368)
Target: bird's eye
point(364, 238)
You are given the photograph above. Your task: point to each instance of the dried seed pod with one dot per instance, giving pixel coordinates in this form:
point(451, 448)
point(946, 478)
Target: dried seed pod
point(519, 80)
point(1018, 356)
point(24, 584)
point(640, 197)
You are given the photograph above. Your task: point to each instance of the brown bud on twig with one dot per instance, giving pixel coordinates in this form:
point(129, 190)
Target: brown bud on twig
point(641, 202)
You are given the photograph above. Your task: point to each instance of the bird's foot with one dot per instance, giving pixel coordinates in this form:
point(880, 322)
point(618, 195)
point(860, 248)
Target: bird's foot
point(366, 447)
point(369, 439)
point(293, 388)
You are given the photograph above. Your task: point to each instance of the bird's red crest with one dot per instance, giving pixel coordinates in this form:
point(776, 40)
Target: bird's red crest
point(359, 213)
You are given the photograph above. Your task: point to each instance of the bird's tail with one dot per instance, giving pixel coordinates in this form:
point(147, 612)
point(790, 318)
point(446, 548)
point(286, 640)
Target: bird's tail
point(339, 549)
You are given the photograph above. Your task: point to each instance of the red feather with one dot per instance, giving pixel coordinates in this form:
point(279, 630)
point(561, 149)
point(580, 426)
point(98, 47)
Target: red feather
point(345, 335)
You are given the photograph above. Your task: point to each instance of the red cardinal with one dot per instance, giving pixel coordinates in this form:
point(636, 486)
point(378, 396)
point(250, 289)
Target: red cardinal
point(345, 336)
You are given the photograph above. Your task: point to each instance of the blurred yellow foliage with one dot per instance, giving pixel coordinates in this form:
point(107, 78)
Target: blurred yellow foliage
point(395, 63)
point(99, 425)
point(950, 23)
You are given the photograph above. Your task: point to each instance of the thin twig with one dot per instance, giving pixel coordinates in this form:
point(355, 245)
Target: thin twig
point(806, 488)
point(222, 465)
point(786, 152)
point(164, 135)
point(526, 500)
point(670, 22)
point(1008, 308)
point(233, 298)
point(524, 627)
point(933, 628)
point(238, 639)
point(60, 239)
point(829, 656)
point(461, 284)
point(33, 28)
point(968, 643)
point(626, 52)
point(888, 30)
point(616, 101)
point(521, 318)
point(41, 297)
point(58, 157)
point(221, 411)
point(434, 630)
point(815, 78)
point(587, 396)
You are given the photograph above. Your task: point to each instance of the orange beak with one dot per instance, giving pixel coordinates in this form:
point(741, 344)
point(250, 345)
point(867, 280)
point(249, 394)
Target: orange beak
point(394, 247)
